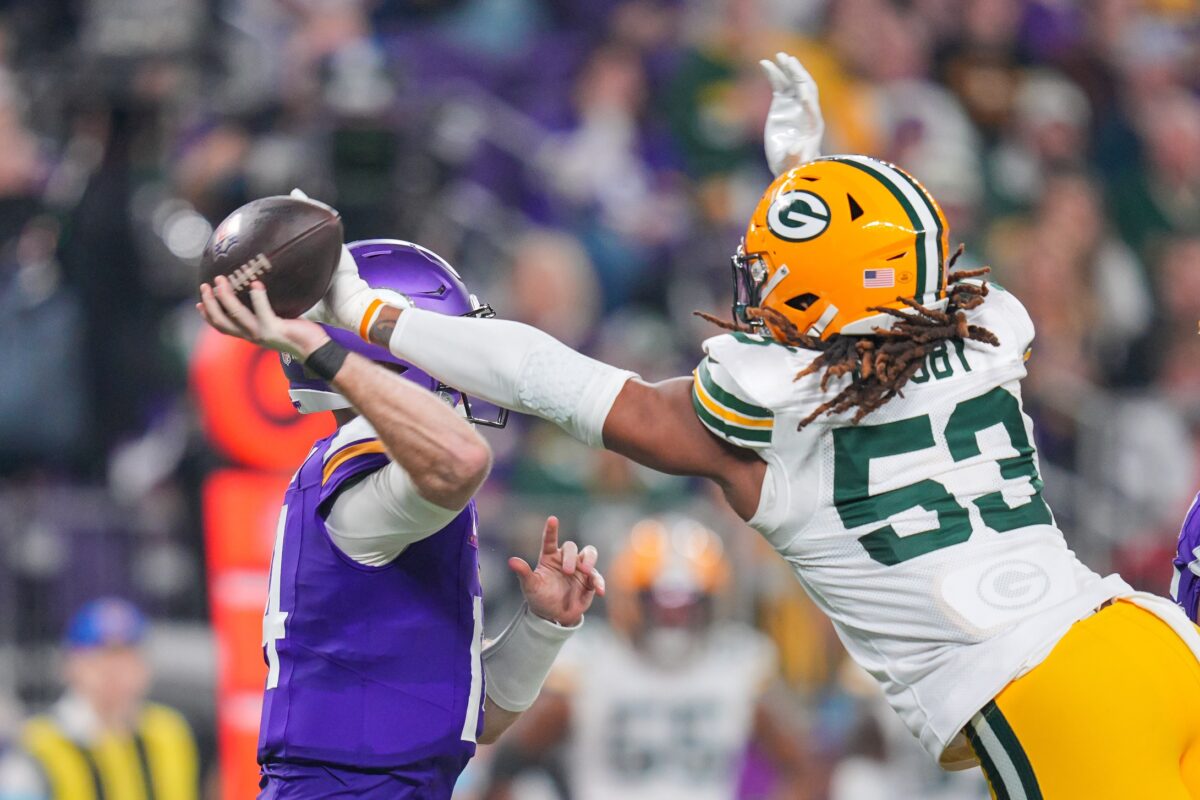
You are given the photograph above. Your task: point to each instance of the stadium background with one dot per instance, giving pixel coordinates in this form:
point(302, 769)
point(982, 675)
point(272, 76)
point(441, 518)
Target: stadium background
point(589, 168)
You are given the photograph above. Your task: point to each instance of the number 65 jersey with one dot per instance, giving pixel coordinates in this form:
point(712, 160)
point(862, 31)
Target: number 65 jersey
point(921, 531)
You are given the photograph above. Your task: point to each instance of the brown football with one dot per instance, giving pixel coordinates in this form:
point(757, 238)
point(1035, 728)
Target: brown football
point(290, 244)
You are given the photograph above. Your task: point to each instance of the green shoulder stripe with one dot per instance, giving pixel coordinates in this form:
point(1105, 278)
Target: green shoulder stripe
point(727, 399)
point(729, 432)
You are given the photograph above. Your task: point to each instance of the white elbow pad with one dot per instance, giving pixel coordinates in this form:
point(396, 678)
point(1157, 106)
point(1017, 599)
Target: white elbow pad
point(516, 663)
point(512, 365)
point(569, 389)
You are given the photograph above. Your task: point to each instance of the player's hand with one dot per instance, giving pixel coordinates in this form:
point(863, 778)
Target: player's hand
point(348, 300)
point(222, 309)
point(565, 581)
point(794, 123)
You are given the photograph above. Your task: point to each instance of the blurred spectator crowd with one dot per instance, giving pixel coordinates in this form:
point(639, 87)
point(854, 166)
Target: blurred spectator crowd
point(589, 167)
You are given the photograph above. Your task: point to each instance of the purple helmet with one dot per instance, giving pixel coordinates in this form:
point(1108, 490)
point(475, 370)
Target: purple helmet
point(428, 282)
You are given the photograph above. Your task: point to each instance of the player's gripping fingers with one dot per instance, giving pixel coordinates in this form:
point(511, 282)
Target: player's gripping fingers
point(262, 306)
point(215, 314)
point(550, 537)
point(241, 316)
point(570, 558)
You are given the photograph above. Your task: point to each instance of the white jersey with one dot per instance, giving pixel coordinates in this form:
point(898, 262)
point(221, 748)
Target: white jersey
point(921, 531)
point(643, 732)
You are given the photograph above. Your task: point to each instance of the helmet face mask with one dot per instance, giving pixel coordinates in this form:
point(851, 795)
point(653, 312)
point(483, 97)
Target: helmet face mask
point(427, 281)
point(500, 419)
point(750, 274)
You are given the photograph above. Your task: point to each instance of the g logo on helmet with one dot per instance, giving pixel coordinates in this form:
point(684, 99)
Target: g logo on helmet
point(798, 216)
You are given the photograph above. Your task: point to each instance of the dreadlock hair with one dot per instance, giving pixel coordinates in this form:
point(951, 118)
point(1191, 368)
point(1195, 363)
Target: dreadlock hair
point(881, 364)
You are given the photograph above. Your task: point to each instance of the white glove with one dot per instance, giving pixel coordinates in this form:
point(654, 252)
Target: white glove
point(794, 128)
point(350, 303)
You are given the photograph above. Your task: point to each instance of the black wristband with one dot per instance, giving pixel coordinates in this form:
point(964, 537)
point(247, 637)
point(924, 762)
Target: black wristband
point(326, 360)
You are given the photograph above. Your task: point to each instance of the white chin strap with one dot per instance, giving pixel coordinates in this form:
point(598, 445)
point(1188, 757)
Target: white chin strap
point(312, 401)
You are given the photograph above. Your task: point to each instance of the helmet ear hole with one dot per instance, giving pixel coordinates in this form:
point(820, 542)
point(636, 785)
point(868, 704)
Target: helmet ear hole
point(801, 302)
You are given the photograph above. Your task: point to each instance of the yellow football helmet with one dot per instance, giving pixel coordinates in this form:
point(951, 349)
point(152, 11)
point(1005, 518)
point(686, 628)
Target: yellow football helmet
point(835, 237)
point(670, 562)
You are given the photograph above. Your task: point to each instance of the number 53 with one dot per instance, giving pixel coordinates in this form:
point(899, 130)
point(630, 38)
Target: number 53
point(855, 447)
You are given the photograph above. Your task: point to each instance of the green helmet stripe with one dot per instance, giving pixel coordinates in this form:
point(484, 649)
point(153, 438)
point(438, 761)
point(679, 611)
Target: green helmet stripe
point(928, 201)
point(921, 215)
point(921, 200)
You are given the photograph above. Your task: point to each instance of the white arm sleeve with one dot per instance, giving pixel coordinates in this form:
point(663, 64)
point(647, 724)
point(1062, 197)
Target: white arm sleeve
point(512, 365)
point(376, 518)
point(516, 663)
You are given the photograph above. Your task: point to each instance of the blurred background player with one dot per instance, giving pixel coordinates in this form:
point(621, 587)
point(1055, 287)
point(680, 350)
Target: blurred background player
point(102, 740)
point(373, 631)
point(667, 700)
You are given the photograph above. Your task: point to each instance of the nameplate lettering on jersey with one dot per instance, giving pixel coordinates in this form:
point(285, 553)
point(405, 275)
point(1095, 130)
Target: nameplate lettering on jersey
point(1011, 585)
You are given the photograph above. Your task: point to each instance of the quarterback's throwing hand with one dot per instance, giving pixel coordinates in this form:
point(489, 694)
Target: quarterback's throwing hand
point(565, 581)
point(222, 309)
point(794, 122)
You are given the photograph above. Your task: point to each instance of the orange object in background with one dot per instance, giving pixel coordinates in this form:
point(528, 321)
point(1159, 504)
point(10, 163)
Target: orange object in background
point(243, 401)
point(242, 396)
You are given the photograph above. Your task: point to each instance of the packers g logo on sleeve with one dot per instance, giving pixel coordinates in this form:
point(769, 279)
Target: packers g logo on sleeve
point(798, 216)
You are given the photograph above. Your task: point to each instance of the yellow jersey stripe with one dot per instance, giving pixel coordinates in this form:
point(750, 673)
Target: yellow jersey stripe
point(61, 761)
point(120, 768)
point(347, 453)
point(171, 751)
point(725, 413)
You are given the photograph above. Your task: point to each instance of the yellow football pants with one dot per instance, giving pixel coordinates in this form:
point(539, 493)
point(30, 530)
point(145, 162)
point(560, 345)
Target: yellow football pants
point(1113, 713)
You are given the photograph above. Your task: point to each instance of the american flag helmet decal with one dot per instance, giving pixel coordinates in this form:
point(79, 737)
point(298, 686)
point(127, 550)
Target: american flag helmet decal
point(879, 278)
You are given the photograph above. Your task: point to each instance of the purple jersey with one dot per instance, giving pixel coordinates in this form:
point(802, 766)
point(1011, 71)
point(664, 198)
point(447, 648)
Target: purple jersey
point(1185, 587)
point(374, 669)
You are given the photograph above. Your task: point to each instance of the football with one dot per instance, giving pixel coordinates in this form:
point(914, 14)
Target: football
point(290, 244)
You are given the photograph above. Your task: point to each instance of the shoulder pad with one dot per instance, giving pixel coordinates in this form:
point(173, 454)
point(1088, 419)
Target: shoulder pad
point(1004, 315)
point(722, 403)
point(763, 369)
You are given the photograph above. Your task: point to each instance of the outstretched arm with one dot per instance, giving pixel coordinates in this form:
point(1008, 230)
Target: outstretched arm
point(523, 369)
point(656, 425)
